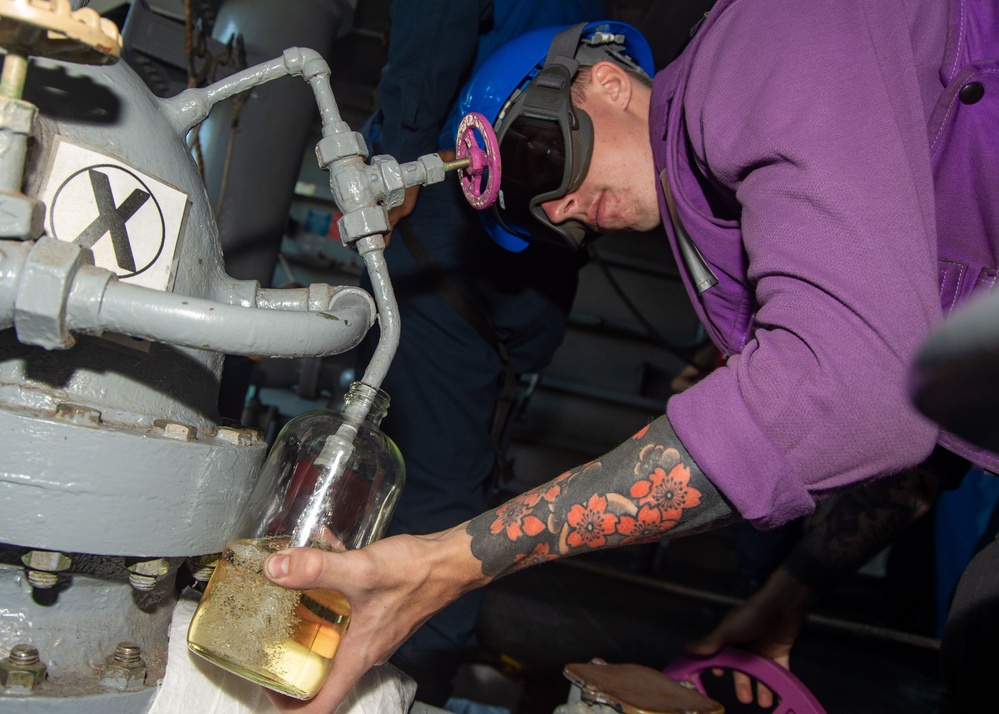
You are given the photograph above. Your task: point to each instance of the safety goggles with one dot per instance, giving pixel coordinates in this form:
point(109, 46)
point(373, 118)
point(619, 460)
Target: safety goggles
point(545, 146)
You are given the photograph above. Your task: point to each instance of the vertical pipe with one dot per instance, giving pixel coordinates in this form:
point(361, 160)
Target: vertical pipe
point(15, 71)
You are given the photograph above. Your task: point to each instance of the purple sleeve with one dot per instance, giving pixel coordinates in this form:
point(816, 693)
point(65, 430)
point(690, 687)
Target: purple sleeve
point(819, 143)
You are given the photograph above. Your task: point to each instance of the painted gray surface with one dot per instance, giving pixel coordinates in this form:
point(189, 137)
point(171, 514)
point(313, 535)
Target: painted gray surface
point(113, 447)
point(117, 491)
point(76, 626)
point(104, 703)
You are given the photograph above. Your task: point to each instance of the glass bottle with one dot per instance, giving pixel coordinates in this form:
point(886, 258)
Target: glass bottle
point(331, 481)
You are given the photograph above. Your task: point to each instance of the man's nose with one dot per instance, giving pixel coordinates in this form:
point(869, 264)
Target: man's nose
point(561, 209)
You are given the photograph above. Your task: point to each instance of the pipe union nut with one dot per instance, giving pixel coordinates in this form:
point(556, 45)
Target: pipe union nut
point(17, 116)
point(40, 304)
point(434, 166)
point(21, 217)
point(340, 145)
point(363, 222)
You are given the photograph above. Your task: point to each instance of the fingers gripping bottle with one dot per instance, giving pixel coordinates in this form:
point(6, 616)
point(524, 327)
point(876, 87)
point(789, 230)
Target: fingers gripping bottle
point(331, 481)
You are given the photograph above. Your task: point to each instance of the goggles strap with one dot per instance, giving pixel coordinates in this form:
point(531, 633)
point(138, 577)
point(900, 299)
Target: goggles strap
point(563, 48)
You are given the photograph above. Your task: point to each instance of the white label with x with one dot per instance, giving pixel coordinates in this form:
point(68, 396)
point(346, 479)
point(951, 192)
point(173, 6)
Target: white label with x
point(130, 220)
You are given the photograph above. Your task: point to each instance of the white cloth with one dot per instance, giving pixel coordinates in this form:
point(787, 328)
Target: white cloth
point(191, 682)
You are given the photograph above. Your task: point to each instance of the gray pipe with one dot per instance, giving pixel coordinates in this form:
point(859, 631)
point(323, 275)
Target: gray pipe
point(203, 324)
point(308, 322)
point(372, 250)
point(192, 106)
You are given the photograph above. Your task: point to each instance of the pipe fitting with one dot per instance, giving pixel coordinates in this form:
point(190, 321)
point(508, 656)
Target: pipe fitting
point(306, 62)
point(340, 145)
point(43, 288)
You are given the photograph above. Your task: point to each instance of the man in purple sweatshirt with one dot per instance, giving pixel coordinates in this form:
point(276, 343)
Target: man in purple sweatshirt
point(826, 172)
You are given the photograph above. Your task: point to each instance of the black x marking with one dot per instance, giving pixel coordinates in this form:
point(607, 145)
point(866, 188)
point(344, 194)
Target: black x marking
point(111, 219)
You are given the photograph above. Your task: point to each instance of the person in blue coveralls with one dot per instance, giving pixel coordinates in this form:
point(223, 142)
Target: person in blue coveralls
point(473, 315)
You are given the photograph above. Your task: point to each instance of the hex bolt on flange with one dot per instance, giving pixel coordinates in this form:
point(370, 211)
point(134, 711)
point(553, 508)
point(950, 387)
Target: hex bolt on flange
point(22, 671)
point(125, 669)
point(175, 430)
point(44, 566)
point(144, 574)
point(238, 436)
point(203, 566)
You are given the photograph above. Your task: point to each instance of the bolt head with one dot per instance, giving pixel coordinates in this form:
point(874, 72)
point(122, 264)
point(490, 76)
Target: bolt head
point(156, 567)
point(47, 560)
point(237, 436)
point(175, 430)
point(75, 414)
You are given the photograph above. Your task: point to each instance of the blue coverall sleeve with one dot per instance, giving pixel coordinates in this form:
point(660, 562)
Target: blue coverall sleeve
point(433, 45)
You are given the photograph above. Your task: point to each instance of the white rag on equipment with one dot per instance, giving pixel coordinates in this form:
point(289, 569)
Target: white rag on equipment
point(193, 681)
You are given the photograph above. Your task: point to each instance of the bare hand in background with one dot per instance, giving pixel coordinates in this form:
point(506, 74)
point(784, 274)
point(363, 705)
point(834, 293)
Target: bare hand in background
point(768, 623)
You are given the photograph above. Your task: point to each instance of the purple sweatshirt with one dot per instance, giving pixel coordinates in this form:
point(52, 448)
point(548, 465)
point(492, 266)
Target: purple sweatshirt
point(796, 141)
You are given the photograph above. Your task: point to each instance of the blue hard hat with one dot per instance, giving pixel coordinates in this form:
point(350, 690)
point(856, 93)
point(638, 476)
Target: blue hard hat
point(512, 66)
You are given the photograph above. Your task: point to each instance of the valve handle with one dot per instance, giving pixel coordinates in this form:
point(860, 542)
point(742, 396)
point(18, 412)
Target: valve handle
point(480, 178)
point(794, 696)
point(51, 28)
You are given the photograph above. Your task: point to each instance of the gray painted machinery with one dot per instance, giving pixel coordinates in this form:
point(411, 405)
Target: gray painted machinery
point(115, 315)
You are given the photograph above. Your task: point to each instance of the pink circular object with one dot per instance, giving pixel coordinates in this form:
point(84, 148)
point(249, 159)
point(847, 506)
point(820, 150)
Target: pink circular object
point(794, 696)
point(480, 180)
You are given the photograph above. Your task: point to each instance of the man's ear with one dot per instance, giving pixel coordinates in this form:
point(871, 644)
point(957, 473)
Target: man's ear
point(613, 82)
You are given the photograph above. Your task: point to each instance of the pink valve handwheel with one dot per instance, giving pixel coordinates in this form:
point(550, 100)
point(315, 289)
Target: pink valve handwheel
point(793, 695)
point(485, 161)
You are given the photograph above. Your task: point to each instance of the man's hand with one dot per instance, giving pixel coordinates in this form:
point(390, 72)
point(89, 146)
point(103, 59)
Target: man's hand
point(393, 586)
point(401, 211)
point(768, 623)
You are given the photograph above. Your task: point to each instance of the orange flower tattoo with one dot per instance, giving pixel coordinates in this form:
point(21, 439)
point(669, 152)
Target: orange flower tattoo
point(517, 519)
point(665, 482)
point(591, 524)
point(647, 525)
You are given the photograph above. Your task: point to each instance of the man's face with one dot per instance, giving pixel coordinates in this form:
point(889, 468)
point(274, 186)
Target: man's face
point(619, 191)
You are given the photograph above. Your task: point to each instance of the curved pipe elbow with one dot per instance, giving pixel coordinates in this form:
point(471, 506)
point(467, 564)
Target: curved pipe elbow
point(230, 329)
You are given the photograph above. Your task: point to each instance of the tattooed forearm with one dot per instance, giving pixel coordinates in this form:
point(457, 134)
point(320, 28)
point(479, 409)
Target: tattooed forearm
point(644, 490)
point(864, 521)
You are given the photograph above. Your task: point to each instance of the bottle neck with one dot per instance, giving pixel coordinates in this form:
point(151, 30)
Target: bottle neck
point(364, 404)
